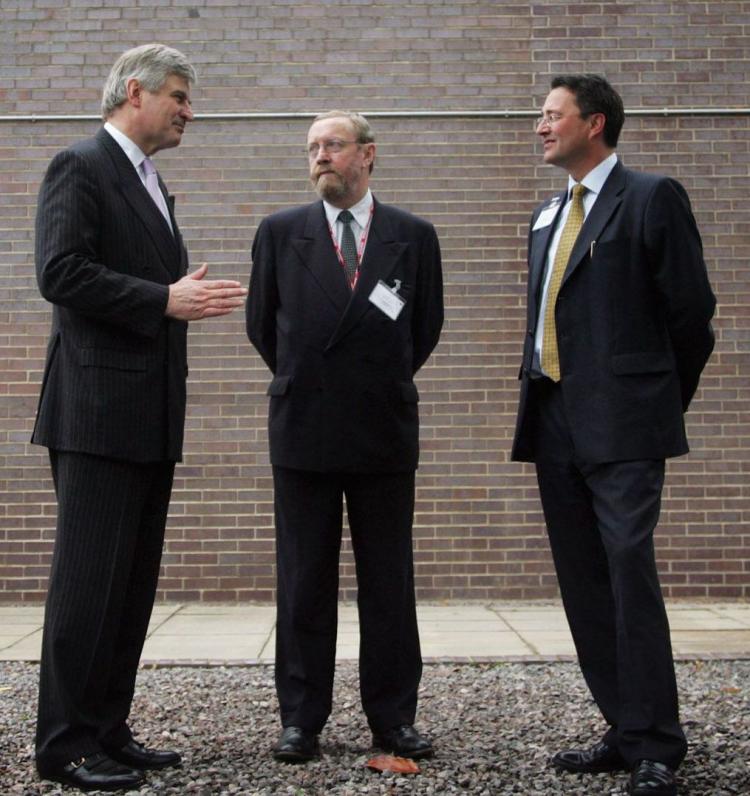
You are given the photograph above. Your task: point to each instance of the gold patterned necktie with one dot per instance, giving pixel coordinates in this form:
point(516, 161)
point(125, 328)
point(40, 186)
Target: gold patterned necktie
point(573, 224)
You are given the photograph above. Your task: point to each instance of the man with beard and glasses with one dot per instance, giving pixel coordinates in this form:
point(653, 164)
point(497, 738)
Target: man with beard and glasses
point(345, 305)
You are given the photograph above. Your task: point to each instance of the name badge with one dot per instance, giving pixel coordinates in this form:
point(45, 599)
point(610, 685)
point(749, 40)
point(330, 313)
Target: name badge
point(546, 217)
point(387, 300)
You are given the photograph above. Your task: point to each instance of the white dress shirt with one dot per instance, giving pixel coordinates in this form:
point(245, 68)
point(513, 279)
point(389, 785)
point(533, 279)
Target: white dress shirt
point(361, 212)
point(594, 182)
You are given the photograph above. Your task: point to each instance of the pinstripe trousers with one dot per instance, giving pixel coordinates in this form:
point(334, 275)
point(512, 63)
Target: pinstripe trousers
point(110, 531)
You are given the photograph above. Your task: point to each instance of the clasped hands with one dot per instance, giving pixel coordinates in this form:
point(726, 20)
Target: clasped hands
point(193, 297)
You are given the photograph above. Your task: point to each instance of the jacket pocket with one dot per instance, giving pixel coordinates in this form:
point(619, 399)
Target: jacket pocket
point(111, 358)
point(642, 362)
point(279, 385)
point(409, 392)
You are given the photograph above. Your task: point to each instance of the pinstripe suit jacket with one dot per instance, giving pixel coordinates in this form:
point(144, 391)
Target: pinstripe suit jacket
point(114, 381)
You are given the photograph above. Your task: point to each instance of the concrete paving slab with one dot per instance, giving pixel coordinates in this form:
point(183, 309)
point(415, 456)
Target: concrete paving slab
point(702, 619)
point(740, 613)
point(247, 646)
point(452, 645)
point(17, 630)
point(21, 616)
point(718, 642)
point(28, 648)
point(245, 632)
point(199, 624)
point(550, 642)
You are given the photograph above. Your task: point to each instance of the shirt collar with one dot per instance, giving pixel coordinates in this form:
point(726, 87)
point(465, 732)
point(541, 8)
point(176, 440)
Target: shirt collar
point(134, 154)
point(360, 211)
point(595, 179)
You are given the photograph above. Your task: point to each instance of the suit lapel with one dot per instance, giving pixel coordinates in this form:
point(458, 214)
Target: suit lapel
point(316, 253)
point(541, 240)
point(382, 252)
point(606, 203)
point(136, 195)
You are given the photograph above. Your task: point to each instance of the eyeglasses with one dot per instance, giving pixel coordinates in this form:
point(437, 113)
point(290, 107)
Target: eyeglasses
point(335, 145)
point(551, 119)
point(547, 120)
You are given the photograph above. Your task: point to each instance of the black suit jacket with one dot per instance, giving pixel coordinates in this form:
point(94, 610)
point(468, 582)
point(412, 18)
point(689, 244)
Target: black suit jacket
point(114, 381)
point(343, 396)
point(633, 321)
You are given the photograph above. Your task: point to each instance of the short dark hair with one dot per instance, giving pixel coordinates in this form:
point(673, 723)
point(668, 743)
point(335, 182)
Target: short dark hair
point(594, 94)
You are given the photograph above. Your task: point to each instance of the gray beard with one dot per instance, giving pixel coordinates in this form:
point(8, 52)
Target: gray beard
point(331, 191)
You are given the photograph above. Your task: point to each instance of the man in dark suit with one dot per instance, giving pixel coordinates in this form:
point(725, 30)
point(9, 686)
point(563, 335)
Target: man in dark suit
point(110, 258)
point(344, 308)
point(619, 309)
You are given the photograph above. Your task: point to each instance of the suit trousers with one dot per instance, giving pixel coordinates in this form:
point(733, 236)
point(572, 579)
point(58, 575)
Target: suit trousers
point(380, 509)
point(105, 566)
point(600, 521)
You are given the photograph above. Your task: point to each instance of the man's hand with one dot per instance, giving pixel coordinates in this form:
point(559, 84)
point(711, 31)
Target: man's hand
point(194, 297)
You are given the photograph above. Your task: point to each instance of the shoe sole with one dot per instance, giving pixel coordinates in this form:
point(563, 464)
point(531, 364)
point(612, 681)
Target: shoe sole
point(293, 757)
point(573, 769)
point(85, 789)
point(153, 767)
point(413, 755)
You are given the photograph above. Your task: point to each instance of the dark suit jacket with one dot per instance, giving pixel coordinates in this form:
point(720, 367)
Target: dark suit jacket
point(633, 321)
point(114, 381)
point(343, 396)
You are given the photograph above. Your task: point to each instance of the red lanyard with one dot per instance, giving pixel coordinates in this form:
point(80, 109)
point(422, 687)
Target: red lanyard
point(360, 247)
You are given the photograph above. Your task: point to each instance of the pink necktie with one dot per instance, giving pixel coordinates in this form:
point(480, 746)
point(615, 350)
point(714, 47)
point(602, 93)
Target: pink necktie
point(152, 186)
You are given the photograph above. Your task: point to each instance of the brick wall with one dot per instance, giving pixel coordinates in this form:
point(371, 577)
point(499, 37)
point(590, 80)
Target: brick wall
point(478, 530)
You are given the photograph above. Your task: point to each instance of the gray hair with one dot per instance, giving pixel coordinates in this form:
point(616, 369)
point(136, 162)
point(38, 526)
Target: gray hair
point(151, 65)
point(362, 129)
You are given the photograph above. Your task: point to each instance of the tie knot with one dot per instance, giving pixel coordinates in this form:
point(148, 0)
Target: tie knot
point(345, 217)
point(148, 167)
point(579, 189)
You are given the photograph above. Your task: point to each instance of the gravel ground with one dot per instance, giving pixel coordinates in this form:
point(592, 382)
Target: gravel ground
point(493, 726)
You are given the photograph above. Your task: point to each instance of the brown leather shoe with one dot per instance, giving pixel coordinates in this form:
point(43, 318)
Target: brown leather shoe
point(599, 758)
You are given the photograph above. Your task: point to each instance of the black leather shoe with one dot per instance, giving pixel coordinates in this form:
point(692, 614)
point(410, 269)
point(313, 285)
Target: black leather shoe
point(136, 755)
point(599, 758)
point(650, 778)
point(404, 741)
point(95, 772)
point(296, 745)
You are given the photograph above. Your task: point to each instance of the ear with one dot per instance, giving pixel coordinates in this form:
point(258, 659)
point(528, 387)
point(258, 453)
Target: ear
point(369, 150)
point(597, 122)
point(134, 90)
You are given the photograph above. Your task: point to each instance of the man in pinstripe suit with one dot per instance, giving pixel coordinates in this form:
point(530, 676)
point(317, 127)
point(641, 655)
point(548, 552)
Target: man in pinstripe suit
point(110, 258)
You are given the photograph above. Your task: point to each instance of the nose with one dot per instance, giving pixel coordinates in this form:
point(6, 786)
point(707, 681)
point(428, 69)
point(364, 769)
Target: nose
point(187, 113)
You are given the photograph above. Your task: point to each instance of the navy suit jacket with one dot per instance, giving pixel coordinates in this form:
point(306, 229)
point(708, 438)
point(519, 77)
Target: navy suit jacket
point(343, 396)
point(633, 321)
point(114, 381)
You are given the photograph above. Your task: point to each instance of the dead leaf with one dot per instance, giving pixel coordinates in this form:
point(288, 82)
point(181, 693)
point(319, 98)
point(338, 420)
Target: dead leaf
point(401, 765)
